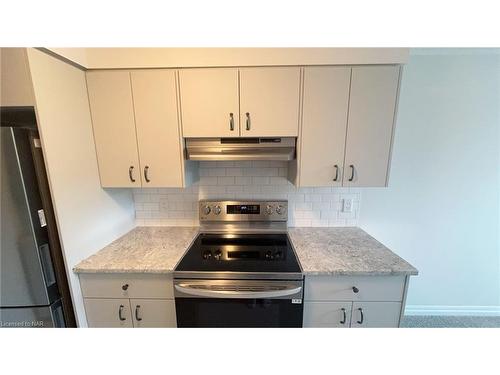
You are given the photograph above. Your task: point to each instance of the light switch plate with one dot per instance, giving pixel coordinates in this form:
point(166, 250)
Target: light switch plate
point(346, 205)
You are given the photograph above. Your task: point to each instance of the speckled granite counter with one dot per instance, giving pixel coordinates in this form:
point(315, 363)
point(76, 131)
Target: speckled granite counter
point(143, 249)
point(321, 251)
point(345, 251)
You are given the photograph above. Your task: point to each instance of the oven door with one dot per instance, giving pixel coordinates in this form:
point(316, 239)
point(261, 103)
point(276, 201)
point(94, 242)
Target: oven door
point(238, 303)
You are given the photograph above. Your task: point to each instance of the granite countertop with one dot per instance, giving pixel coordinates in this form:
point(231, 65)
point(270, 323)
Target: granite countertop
point(143, 249)
point(345, 251)
point(321, 251)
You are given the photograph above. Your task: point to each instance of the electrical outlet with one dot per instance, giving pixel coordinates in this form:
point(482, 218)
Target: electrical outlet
point(346, 205)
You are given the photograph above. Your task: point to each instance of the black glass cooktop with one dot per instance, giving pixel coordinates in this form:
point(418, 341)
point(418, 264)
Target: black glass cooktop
point(240, 253)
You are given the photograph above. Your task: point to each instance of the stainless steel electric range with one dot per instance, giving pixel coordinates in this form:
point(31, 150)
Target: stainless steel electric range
point(241, 270)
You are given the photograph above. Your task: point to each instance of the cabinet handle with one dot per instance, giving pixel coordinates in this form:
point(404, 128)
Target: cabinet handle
point(336, 172)
point(362, 316)
point(355, 290)
point(130, 173)
point(231, 122)
point(352, 172)
point(120, 311)
point(344, 316)
point(146, 170)
point(137, 313)
point(125, 287)
point(248, 120)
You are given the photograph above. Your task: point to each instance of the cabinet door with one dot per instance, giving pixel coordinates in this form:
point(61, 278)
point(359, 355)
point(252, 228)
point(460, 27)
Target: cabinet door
point(209, 102)
point(112, 113)
point(327, 314)
point(108, 312)
point(372, 107)
point(324, 124)
point(375, 314)
point(158, 138)
point(269, 100)
point(153, 313)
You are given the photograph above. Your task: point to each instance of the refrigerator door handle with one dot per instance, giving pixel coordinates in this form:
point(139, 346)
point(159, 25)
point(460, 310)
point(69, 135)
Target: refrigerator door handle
point(47, 268)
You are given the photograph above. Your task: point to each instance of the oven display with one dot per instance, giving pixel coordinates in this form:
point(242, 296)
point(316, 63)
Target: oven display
point(243, 209)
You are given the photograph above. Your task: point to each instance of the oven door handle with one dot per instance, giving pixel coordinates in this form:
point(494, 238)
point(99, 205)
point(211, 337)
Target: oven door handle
point(237, 294)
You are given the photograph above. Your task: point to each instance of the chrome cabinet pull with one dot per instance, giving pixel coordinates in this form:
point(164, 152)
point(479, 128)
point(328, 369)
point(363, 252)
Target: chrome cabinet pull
point(362, 316)
point(352, 172)
point(355, 290)
point(344, 316)
point(130, 173)
point(120, 311)
point(137, 313)
point(146, 170)
point(231, 122)
point(248, 120)
point(336, 172)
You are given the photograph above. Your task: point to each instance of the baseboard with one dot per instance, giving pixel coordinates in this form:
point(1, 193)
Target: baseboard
point(452, 310)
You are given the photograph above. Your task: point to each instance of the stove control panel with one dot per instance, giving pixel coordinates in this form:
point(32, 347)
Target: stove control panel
point(232, 211)
point(242, 255)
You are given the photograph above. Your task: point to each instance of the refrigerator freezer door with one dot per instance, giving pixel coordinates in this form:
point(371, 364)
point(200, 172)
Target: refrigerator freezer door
point(22, 281)
point(32, 317)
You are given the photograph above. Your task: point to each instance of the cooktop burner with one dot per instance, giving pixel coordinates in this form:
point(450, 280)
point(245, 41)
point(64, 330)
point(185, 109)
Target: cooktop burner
point(256, 253)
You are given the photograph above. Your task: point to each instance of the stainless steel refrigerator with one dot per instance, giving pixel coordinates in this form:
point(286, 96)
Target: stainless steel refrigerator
point(29, 293)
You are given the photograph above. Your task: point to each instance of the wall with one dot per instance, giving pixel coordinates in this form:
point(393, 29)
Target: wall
point(88, 217)
point(441, 210)
point(246, 180)
point(15, 82)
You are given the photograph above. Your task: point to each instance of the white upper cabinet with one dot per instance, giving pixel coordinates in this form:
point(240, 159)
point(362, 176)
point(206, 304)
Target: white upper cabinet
point(324, 124)
point(158, 138)
point(112, 113)
point(374, 91)
point(269, 101)
point(136, 128)
point(209, 102)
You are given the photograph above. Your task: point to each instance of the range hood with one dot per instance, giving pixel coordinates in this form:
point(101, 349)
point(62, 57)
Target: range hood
point(240, 148)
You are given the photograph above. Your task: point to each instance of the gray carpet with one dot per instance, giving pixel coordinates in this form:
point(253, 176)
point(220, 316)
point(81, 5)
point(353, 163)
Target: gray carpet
point(427, 321)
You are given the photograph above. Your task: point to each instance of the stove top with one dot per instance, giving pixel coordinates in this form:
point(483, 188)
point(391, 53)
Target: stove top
point(241, 239)
point(255, 253)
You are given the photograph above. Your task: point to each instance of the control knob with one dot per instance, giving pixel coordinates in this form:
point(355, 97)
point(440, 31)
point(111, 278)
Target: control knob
point(280, 210)
point(269, 209)
point(217, 210)
point(218, 254)
point(206, 209)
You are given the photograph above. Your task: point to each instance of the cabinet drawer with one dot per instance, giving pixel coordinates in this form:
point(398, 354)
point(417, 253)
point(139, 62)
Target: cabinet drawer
point(341, 288)
point(127, 285)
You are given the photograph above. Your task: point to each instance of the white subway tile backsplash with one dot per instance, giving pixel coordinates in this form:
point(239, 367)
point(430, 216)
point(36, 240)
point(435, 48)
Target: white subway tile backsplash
point(310, 206)
point(225, 181)
point(260, 180)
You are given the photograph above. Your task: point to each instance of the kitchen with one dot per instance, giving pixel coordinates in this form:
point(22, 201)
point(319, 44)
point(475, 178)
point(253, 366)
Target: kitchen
point(257, 179)
point(240, 188)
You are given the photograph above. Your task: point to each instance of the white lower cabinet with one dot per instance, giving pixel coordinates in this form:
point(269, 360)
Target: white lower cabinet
point(108, 313)
point(128, 300)
point(367, 301)
point(327, 314)
point(149, 313)
point(375, 314)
